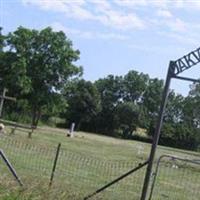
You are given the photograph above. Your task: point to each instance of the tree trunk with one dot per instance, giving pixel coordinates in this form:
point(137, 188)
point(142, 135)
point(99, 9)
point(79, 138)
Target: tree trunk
point(36, 116)
point(78, 125)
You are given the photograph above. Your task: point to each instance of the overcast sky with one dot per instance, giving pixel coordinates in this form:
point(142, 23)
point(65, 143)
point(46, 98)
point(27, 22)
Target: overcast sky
point(115, 36)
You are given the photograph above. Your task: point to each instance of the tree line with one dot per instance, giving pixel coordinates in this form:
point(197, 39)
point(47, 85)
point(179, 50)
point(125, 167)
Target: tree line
point(38, 67)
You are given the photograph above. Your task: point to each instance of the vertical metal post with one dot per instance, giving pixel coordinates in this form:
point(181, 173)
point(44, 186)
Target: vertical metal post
point(157, 132)
point(11, 168)
point(54, 164)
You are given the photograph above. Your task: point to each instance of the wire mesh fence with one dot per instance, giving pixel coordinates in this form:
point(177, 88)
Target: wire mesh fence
point(83, 174)
point(93, 173)
point(176, 178)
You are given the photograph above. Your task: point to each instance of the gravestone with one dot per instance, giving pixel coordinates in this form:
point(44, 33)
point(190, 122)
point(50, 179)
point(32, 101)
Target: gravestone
point(71, 131)
point(140, 149)
point(2, 129)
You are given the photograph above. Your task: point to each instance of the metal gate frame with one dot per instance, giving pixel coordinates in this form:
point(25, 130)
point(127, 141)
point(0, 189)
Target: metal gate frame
point(196, 162)
point(175, 68)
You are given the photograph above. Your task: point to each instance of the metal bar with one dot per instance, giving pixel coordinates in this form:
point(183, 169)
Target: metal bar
point(181, 159)
point(157, 167)
point(11, 168)
point(187, 79)
point(187, 61)
point(55, 164)
point(117, 179)
point(154, 179)
point(157, 131)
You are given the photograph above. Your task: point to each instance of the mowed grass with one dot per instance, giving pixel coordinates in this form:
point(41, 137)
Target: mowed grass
point(87, 162)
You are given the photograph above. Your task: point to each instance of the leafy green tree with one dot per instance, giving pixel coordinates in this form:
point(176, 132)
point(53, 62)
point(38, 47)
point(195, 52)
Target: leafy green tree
point(180, 135)
point(152, 97)
point(2, 40)
point(115, 90)
point(13, 74)
point(180, 123)
point(174, 109)
point(193, 105)
point(151, 103)
point(44, 62)
point(12, 69)
point(83, 103)
point(126, 118)
point(110, 89)
point(134, 85)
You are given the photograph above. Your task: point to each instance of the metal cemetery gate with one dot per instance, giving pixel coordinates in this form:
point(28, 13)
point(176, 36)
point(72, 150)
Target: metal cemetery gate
point(176, 179)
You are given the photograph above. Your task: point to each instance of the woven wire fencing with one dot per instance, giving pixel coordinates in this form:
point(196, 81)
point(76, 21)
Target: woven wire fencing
point(81, 173)
point(176, 179)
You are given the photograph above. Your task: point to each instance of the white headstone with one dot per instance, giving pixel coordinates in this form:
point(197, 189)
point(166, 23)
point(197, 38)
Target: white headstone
point(2, 128)
point(140, 149)
point(71, 131)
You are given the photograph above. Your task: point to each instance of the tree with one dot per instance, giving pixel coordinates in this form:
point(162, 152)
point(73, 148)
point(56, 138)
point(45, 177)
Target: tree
point(83, 103)
point(174, 109)
point(193, 105)
point(180, 127)
point(126, 118)
point(152, 96)
point(134, 85)
point(151, 103)
point(44, 62)
point(110, 90)
point(13, 74)
point(2, 40)
point(12, 69)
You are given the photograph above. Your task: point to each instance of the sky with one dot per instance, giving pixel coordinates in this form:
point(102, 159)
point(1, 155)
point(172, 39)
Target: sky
point(116, 36)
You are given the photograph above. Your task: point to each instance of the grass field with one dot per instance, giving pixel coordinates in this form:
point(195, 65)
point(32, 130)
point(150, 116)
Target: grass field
point(86, 163)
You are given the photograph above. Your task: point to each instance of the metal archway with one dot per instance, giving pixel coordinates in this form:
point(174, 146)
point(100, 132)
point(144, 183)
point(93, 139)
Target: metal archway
point(175, 68)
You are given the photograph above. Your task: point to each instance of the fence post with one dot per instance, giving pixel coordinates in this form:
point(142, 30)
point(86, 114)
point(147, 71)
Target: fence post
point(10, 167)
point(54, 164)
point(157, 131)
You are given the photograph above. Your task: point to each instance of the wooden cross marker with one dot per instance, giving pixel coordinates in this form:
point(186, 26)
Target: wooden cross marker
point(4, 97)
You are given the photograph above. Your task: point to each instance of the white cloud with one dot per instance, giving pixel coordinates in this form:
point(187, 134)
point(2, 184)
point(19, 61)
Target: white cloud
point(47, 5)
point(119, 20)
point(74, 10)
point(104, 4)
point(154, 49)
point(111, 36)
point(125, 16)
point(183, 39)
point(131, 3)
point(170, 24)
point(177, 25)
point(164, 13)
point(102, 12)
point(186, 4)
point(77, 12)
point(88, 34)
